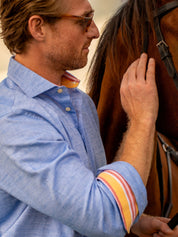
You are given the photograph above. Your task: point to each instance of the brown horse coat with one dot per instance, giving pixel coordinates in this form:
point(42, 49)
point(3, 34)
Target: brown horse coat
point(120, 44)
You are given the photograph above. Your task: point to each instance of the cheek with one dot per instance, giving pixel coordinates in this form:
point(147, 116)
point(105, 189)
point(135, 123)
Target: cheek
point(67, 43)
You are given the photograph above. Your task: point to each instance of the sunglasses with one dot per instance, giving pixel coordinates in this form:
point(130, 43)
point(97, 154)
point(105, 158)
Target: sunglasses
point(84, 21)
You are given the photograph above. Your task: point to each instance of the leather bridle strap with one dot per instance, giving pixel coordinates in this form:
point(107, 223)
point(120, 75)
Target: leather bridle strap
point(160, 177)
point(170, 154)
point(167, 209)
point(162, 46)
point(163, 10)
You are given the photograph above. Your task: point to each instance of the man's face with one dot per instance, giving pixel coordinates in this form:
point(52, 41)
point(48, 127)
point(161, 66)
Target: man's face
point(67, 42)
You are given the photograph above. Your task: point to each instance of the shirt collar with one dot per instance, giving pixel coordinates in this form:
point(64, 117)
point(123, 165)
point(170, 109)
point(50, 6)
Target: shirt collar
point(33, 84)
point(69, 80)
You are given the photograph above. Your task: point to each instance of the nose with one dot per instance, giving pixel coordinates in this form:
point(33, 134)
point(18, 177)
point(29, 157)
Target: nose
point(93, 31)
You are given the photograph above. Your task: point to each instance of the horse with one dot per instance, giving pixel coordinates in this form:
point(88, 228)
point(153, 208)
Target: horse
point(141, 26)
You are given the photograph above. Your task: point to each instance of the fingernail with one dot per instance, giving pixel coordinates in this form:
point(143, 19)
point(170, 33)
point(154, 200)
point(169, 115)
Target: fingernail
point(151, 60)
point(143, 54)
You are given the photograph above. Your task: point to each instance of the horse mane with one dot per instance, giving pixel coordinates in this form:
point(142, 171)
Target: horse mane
point(133, 18)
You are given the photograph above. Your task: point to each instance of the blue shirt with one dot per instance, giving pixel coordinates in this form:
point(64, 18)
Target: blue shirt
point(51, 155)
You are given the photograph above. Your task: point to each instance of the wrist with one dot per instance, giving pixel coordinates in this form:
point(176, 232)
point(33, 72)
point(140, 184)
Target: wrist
point(142, 125)
point(136, 228)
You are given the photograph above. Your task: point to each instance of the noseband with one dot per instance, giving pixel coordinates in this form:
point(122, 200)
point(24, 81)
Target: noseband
point(163, 48)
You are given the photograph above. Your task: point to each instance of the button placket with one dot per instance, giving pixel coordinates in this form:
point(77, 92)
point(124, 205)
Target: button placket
point(66, 103)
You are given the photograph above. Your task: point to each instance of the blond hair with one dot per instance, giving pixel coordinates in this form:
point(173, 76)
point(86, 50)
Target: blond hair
point(14, 16)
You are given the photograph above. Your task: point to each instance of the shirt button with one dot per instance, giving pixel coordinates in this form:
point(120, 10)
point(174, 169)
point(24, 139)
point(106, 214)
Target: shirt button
point(60, 90)
point(68, 109)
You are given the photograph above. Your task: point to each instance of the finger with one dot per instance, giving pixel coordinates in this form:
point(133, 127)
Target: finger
point(156, 235)
point(165, 230)
point(164, 219)
point(129, 73)
point(132, 70)
point(129, 76)
point(150, 74)
point(161, 234)
point(141, 68)
point(161, 226)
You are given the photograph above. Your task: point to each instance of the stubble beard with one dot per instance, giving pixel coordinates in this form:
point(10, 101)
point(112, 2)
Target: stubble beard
point(70, 62)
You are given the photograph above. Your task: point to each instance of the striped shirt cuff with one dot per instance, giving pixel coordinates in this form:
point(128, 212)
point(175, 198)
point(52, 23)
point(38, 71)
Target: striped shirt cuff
point(123, 195)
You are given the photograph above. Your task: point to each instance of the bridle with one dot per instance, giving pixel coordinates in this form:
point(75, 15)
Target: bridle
point(162, 46)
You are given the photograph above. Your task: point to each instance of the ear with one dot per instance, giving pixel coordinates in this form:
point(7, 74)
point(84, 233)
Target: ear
point(36, 27)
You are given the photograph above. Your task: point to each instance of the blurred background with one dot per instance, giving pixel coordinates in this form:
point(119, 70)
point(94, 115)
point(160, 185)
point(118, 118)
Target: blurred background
point(103, 11)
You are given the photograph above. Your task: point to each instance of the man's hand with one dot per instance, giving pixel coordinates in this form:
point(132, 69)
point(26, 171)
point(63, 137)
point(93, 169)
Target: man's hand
point(153, 226)
point(139, 99)
point(139, 96)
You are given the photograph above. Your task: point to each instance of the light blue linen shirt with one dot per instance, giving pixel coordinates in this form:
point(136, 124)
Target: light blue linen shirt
point(50, 155)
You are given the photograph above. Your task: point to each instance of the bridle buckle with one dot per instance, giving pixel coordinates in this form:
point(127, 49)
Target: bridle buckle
point(162, 42)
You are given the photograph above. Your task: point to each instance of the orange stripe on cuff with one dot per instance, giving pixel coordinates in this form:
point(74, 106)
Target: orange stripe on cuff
point(129, 193)
point(123, 195)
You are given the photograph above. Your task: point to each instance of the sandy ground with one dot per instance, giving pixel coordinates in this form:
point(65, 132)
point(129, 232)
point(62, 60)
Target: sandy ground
point(103, 10)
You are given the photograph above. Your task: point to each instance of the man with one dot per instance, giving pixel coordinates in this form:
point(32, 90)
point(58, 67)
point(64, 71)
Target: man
point(54, 180)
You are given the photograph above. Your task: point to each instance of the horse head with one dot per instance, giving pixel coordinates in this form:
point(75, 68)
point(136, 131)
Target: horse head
point(132, 30)
point(128, 33)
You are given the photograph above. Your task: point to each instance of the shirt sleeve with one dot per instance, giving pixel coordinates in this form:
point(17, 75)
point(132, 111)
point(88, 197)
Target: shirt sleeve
point(41, 169)
point(123, 195)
